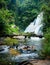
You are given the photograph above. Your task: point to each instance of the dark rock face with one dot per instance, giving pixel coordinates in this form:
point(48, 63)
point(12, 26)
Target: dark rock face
point(1, 50)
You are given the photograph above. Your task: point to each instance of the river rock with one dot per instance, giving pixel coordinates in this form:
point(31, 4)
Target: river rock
point(19, 37)
point(25, 49)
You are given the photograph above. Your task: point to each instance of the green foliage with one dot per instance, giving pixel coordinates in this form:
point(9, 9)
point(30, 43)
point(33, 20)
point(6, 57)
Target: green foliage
point(27, 11)
point(10, 41)
point(14, 29)
point(46, 46)
point(20, 12)
point(6, 62)
point(4, 3)
point(46, 9)
point(45, 52)
point(46, 30)
point(6, 15)
point(5, 18)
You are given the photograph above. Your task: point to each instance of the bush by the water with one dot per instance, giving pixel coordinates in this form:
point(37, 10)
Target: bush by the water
point(10, 41)
point(46, 30)
point(45, 53)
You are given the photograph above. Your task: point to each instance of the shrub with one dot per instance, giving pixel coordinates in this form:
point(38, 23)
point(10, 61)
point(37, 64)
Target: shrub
point(10, 41)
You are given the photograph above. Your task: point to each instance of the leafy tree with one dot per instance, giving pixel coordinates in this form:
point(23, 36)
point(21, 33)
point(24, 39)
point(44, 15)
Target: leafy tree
point(46, 30)
point(46, 10)
point(5, 18)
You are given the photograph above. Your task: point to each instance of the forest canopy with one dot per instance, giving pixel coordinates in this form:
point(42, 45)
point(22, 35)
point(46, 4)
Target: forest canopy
point(16, 15)
point(20, 13)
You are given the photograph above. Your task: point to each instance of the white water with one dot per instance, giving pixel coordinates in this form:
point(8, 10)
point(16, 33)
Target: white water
point(36, 25)
point(24, 57)
point(5, 49)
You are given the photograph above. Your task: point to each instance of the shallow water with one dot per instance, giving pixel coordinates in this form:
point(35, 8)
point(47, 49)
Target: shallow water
point(25, 55)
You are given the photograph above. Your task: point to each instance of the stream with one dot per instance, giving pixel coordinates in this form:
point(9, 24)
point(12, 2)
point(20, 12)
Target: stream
point(28, 50)
point(31, 53)
point(31, 47)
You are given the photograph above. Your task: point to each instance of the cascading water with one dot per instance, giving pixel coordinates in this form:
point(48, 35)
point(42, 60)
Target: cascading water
point(36, 25)
point(34, 42)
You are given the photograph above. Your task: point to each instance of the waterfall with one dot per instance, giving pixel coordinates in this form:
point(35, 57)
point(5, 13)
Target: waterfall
point(32, 46)
point(36, 26)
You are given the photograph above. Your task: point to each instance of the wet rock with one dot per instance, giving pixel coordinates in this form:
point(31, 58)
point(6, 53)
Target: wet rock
point(26, 49)
point(1, 49)
point(19, 37)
